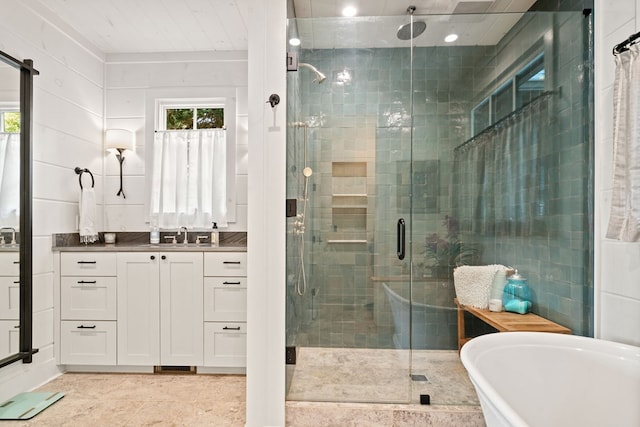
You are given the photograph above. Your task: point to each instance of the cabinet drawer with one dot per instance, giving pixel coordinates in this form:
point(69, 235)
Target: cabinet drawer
point(88, 298)
point(88, 264)
point(9, 298)
point(225, 264)
point(10, 264)
point(87, 343)
point(225, 298)
point(225, 344)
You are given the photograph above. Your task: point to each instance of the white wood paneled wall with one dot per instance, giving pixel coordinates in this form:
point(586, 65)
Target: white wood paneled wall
point(617, 294)
point(67, 132)
point(130, 80)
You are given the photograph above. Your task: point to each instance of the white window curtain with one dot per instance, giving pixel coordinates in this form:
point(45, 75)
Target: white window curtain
point(189, 178)
point(624, 221)
point(10, 179)
point(503, 175)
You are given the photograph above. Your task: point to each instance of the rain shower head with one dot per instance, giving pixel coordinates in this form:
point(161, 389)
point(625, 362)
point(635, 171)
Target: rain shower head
point(405, 33)
point(319, 76)
point(413, 29)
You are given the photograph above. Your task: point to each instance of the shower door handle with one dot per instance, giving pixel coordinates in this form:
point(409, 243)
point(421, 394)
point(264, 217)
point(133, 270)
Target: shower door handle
point(400, 238)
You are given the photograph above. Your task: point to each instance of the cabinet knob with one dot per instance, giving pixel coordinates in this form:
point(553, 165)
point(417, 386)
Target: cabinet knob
point(163, 257)
point(152, 257)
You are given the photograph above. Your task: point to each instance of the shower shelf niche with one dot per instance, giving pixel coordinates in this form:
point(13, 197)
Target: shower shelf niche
point(344, 201)
point(349, 203)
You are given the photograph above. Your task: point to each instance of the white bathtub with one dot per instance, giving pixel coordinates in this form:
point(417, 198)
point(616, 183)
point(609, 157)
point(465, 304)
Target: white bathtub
point(543, 379)
point(416, 318)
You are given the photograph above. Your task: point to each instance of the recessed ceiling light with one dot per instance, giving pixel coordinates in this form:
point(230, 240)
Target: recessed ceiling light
point(451, 38)
point(294, 41)
point(349, 11)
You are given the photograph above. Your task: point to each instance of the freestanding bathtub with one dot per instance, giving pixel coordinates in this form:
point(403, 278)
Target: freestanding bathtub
point(544, 379)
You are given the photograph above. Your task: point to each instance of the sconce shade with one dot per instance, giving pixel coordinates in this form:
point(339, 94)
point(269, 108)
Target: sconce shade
point(119, 138)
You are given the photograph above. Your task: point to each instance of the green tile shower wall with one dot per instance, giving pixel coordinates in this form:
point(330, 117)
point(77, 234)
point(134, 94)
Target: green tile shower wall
point(368, 120)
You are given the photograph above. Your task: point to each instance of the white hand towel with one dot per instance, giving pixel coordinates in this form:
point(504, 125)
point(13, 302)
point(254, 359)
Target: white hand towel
point(473, 284)
point(87, 209)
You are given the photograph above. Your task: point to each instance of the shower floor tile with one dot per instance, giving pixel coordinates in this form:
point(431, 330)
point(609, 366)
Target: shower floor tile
point(380, 375)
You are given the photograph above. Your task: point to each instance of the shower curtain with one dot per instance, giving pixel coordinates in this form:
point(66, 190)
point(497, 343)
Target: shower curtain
point(189, 178)
point(9, 179)
point(502, 175)
point(624, 220)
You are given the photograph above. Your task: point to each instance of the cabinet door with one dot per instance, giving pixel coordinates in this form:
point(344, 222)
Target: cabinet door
point(138, 308)
point(88, 298)
point(9, 298)
point(87, 342)
point(225, 344)
point(9, 337)
point(181, 308)
point(225, 298)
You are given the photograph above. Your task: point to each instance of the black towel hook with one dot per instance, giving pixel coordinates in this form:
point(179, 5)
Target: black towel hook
point(80, 171)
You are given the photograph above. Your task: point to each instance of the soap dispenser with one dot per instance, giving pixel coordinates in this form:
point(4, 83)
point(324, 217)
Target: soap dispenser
point(215, 235)
point(516, 296)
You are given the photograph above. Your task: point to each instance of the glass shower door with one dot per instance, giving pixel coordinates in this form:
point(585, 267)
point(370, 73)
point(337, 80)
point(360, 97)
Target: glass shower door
point(348, 293)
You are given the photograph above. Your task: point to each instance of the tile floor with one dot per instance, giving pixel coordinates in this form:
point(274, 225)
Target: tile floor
point(354, 377)
point(324, 374)
point(97, 400)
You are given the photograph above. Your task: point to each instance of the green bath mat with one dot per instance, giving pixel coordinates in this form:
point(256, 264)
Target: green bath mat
point(27, 405)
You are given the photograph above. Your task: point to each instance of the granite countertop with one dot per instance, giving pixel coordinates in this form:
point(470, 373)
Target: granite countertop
point(139, 242)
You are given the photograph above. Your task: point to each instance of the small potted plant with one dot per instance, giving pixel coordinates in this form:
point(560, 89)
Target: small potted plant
point(445, 253)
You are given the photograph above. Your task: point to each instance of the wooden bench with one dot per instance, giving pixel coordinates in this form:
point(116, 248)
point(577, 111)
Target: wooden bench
point(505, 321)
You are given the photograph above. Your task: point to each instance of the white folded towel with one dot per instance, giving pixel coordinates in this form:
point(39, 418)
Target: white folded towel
point(473, 283)
point(87, 210)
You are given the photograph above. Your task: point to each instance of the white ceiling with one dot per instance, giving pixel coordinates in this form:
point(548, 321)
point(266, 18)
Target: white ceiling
point(134, 26)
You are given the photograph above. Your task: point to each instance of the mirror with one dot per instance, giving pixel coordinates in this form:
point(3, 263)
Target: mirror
point(16, 95)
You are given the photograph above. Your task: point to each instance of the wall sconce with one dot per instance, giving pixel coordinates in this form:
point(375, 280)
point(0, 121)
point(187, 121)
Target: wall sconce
point(119, 140)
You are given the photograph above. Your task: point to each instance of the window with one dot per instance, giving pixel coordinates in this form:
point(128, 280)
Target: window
point(188, 174)
point(191, 115)
point(9, 120)
point(530, 82)
point(194, 118)
point(520, 89)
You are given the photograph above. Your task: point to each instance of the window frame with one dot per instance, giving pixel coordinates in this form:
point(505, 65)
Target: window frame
point(187, 104)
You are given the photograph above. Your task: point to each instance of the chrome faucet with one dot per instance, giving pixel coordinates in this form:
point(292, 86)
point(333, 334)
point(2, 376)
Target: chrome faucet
point(186, 238)
point(13, 234)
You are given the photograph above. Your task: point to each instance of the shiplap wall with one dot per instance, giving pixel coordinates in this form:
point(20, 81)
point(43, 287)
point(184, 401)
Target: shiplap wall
point(133, 79)
point(67, 132)
point(617, 289)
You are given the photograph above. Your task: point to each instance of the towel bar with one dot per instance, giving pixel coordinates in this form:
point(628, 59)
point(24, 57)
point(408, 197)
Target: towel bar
point(80, 171)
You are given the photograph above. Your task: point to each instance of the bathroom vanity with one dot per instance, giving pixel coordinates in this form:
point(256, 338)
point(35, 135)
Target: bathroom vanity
point(141, 307)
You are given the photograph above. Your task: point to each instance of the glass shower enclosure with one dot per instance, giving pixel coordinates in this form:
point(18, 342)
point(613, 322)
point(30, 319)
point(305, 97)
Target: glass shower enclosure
point(409, 154)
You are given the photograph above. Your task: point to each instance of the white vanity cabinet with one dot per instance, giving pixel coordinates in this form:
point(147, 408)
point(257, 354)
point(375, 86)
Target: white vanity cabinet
point(88, 308)
point(9, 303)
point(145, 309)
point(225, 309)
